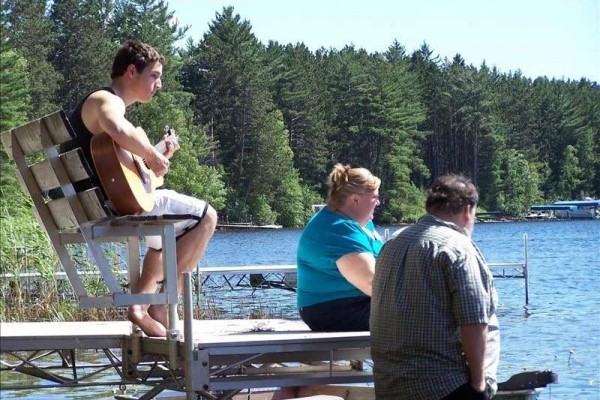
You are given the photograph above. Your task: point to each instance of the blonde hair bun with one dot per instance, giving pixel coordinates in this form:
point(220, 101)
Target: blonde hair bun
point(345, 180)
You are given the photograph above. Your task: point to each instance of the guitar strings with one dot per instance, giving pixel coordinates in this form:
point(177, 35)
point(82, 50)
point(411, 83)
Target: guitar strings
point(161, 147)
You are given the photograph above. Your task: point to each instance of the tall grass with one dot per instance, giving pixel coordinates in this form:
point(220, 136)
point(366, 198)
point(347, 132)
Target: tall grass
point(25, 248)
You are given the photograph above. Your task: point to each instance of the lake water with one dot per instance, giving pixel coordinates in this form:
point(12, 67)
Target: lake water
point(559, 329)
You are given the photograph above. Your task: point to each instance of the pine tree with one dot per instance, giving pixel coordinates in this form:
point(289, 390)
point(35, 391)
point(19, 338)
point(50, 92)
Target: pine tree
point(14, 107)
point(150, 21)
point(226, 70)
point(15, 99)
point(431, 85)
point(489, 137)
point(400, 164)
point(29, 31)
point(569, 178)
point(300, 92)
point(519, 184)
point(83, 50)
point(586, 100)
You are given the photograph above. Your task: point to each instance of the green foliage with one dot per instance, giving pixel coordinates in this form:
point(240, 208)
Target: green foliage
point(226, 66)
point(149, 21)
point(29, 32)
point(17, 227)
point(287, 201)
point(274, 174)
point(15, 99)
point(24, 246)
point(298, 87)
point(82, 47)
point(261, 126)
point(261, 211)
point(409, 203)
point(201, 181)
point(569, 180)
point(519, 184)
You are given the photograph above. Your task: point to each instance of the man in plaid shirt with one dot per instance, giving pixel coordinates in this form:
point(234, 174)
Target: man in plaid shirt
point(434, 331)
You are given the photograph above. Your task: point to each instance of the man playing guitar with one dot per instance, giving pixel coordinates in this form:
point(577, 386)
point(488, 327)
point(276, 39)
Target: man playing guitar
point(136, 77)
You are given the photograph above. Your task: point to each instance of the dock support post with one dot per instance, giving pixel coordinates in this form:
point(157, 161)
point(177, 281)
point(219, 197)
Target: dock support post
point(188, 336)
point(170, 277)
point(526, 269)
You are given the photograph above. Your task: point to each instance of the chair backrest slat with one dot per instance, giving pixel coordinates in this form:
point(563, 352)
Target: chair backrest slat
point(52, 169)
point(57, 127)
point(44, 176)
point(93, 204)
point(29, 137)
point(75, 166)
point(63, 215)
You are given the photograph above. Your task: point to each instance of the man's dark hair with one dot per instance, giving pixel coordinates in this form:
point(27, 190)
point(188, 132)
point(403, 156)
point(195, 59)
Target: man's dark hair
point(137, 53)
point(450, 194)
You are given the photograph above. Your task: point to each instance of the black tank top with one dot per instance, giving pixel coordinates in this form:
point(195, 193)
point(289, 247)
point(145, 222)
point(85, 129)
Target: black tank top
point(84, 139)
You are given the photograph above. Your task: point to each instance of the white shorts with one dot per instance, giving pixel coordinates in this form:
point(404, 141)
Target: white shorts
point(170, 202)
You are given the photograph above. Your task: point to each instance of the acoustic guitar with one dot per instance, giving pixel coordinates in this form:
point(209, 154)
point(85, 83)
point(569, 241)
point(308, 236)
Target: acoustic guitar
point(125, 177)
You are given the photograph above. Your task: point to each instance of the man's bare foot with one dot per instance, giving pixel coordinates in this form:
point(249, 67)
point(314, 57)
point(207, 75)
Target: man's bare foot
point(159, 312)
point(149, 325)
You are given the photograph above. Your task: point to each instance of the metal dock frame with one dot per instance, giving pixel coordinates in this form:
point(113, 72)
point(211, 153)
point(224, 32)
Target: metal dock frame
point(219, 366)
point(516, 270)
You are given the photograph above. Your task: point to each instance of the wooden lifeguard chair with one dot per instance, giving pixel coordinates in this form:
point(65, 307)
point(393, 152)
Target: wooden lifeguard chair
point(50, 164)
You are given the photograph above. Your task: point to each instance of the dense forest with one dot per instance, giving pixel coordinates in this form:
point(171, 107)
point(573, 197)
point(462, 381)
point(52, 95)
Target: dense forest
point(262, 124)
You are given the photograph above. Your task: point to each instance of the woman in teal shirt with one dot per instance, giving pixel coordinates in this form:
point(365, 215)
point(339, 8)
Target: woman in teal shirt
point(336, 254)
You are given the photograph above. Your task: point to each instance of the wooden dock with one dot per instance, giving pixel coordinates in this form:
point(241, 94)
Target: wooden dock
point(224, 356)
point(214, 359)
point(231, 359)
point(30, 336)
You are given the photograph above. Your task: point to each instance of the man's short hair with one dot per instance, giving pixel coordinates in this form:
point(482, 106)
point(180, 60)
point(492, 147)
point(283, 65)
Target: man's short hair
point(450, 194)
point(137, 53)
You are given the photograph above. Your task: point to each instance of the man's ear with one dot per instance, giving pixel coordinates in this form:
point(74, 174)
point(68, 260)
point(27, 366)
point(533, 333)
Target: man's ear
point(131, 71)
point(466, 214)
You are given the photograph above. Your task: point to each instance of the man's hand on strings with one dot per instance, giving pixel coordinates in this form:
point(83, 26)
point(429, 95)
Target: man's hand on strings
point(171, 145)
point(158, 163)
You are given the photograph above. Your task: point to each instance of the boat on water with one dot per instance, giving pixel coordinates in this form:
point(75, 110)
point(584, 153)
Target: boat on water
point(578, 209)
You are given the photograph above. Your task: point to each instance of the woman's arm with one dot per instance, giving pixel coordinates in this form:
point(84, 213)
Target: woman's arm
point(358, 269)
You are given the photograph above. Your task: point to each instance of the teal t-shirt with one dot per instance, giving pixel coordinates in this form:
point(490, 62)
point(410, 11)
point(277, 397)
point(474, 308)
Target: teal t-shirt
point(326, 238)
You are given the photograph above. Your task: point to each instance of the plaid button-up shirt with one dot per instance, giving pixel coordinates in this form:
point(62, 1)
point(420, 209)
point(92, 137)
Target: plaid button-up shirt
point(429, 281)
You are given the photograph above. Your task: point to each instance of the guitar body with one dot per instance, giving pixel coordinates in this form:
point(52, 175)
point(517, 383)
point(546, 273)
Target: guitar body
point(128, 183)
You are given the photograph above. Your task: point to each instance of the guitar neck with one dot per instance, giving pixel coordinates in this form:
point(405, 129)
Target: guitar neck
point(161, 147)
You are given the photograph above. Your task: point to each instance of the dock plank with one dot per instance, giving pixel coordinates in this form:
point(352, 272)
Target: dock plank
point(27, 336)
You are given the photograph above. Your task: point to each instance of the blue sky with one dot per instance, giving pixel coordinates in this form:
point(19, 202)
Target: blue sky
point(556, 38)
